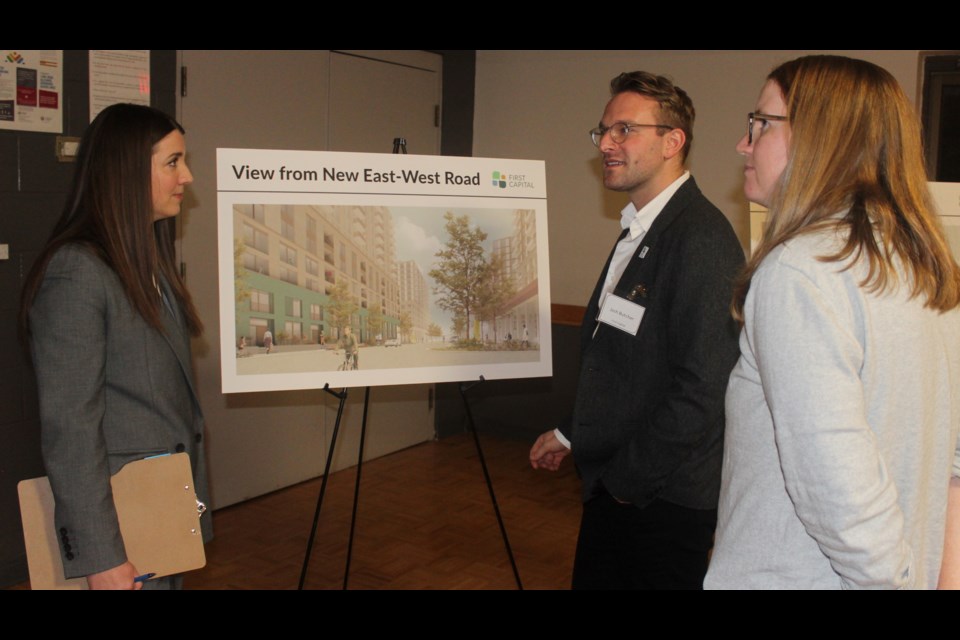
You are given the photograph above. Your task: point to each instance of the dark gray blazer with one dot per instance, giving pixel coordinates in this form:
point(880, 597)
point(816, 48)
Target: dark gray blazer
point(648, 417)
point(112, 390)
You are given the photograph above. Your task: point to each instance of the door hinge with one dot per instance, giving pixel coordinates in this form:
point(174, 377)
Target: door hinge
point(183, 82)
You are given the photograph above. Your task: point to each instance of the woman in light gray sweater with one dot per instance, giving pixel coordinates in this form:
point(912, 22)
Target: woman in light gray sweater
point(841, 458)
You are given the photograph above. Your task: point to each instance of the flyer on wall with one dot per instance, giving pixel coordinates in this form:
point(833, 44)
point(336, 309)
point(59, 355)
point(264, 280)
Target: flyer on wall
point(356, 269)
point(118, 76)
point(31, 90)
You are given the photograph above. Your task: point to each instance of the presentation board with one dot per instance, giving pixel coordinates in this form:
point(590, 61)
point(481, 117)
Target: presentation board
point(354, 269)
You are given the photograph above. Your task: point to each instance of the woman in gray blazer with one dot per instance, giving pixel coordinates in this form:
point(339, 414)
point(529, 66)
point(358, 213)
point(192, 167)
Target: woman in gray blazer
point(109, 322)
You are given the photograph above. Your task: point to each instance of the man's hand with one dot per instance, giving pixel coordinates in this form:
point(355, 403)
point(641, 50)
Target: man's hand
point(548, 452)
point(118, 578)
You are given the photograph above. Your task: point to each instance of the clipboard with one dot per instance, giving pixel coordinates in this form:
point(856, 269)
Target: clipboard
point(159, 520)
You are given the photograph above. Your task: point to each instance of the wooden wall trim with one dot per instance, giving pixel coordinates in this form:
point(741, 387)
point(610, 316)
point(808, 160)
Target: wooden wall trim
point(567, 314)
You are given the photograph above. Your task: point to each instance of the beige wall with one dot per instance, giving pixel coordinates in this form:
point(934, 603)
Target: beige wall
point(540, 105)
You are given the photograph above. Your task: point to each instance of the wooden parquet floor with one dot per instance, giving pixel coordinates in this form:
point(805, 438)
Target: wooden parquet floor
point(425, 521)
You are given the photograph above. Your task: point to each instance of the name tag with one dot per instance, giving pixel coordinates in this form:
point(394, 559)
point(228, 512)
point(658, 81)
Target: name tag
point(621, 314)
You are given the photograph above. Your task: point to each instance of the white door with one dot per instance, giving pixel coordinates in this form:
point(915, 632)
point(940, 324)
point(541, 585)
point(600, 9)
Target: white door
point(377, 96)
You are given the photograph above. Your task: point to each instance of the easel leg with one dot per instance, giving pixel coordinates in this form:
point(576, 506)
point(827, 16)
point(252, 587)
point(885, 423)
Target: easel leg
point(342, 396)
point(486, 475)
point(356, 488)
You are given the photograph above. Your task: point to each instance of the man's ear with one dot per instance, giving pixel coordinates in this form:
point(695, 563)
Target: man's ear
point(673, 142)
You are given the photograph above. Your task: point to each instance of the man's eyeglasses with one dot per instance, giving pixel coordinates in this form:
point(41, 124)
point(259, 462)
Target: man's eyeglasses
point(620, 130)
point(756, 116)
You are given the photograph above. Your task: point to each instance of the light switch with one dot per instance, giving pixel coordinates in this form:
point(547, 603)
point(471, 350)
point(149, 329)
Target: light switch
point(4, 252)
point(67, 147)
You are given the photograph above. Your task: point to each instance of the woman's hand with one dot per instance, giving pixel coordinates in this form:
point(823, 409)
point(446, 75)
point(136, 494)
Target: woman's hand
point(118, 578)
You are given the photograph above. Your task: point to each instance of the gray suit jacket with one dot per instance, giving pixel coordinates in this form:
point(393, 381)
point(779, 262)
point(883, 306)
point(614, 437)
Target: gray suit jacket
point(648, 420)
point(112, 390)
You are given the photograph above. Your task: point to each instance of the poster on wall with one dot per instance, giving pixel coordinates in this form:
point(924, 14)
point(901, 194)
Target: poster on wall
point(31, 90)
point(350, 269)
point(118, 76)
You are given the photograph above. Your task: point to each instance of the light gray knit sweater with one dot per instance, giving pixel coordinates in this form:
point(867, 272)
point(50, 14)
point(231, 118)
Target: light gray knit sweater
point(842, 431)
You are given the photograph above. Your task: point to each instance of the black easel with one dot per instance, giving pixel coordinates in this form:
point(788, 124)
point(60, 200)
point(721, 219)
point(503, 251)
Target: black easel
point(342, 397)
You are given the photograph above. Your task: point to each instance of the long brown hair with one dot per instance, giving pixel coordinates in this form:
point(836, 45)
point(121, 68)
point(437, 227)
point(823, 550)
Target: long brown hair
point(855, 146)
point(109, 210)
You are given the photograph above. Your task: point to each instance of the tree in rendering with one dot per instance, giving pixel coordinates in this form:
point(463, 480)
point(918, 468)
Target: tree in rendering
point(461, 269)
point(341, 305)
point(495, 291)
point(406, 326)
